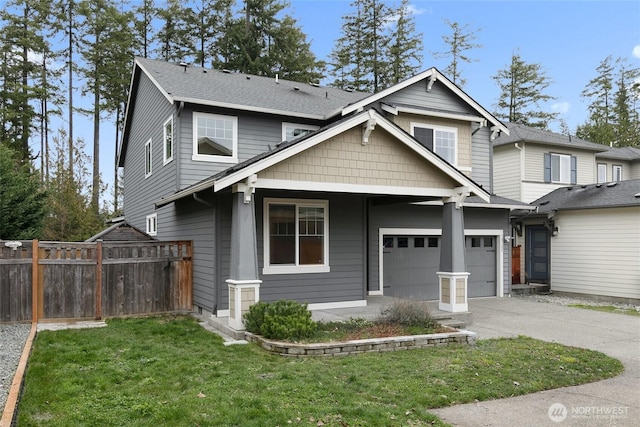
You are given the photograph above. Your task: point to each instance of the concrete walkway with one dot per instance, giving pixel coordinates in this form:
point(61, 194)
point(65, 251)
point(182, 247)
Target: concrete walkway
point(612, 402)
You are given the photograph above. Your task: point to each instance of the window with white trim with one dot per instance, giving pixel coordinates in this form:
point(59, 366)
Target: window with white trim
point(439, 139)
point(617, 173)
point(602, 173)
point(296, 236)
point(152, 224)
point(215, 138)
point(560, 168)
point(148, 158)
point(292, 131)
point(167, 130)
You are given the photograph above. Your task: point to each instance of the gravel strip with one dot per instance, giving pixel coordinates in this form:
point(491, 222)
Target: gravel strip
point(12, 340)
point(562, 300)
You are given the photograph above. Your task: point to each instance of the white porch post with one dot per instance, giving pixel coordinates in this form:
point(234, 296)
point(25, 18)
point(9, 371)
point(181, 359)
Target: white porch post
point(244, 284)
point(453, 277)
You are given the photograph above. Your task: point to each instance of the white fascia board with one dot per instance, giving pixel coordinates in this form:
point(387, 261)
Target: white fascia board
point(499, 206)
point(204, 185)
point(441, 114)
point(388, 91)
point(155, 82)
point(278, 184)
point(288, 152)
point(244, 107)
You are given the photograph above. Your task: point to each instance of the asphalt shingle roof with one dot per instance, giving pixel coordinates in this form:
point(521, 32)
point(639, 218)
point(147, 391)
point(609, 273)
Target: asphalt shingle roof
point(618, 194)
point(521, 133)
point(216, 87)
point(621, 153)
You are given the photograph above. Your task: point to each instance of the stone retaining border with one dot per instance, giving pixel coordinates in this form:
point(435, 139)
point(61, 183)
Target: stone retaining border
point(372, 345)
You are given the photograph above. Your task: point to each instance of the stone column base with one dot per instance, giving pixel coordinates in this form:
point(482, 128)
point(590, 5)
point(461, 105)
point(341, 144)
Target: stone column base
point(453, 291)
point(242, 295)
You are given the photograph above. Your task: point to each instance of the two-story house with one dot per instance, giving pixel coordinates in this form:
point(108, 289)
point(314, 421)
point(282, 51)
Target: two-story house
point(321, 195)
point(618, 164)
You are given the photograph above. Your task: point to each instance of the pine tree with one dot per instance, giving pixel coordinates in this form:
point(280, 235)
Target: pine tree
point(206, 28)
point(458, 43)
point(522, 87)
point(405, 47)
point(175, 44)
point(599, 127)
point(143, 29)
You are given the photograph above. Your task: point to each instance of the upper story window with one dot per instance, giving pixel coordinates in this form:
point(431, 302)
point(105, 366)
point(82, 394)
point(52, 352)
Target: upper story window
point(439, 139)
point(167, 129)
point(152, 224)
point(215, 138)
point(560, 168)
point(296, 236)
point(148, 158)
point(292, 131)
point(617, 172)
point(602, 173)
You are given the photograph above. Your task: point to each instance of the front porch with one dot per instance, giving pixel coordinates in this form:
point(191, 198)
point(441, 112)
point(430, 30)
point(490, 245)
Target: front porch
point(375, 304)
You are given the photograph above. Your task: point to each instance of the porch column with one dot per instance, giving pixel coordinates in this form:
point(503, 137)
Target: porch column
point(243, 282)
point(453, 275)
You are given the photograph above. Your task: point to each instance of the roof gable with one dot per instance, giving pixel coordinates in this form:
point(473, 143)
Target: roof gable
point(522, 133)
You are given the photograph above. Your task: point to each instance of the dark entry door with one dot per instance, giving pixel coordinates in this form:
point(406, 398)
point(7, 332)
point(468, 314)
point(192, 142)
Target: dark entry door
point(537, 257)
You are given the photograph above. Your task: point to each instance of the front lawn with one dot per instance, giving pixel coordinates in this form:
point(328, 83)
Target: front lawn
point(608, 309)
point(169, 371)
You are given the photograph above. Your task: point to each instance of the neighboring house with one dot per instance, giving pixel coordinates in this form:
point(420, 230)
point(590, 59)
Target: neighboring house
point(618, 164)
point(595, 243)
point(529, 162)
point(316, 194)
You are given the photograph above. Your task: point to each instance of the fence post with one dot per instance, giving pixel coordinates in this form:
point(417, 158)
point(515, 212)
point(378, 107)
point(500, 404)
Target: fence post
point(99, 280)
point(34, 281)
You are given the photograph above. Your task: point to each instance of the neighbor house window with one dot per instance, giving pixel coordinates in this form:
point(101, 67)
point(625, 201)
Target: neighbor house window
point(560, 168)
point(215, 138)
point(152, 224)
point(292, 131)
point(296, 236)
point(441, 140)
point(148, 157)
point(602, 173)
point(617, 173)
point(168, 140)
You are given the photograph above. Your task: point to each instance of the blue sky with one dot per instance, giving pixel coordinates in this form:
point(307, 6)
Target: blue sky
point(568, 38)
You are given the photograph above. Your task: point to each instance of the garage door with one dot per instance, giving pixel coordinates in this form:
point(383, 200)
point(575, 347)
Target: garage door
point(410, 264)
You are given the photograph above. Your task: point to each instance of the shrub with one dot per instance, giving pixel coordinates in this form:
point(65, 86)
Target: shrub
point(254, 318)
point(407, 313)
point(286, 320)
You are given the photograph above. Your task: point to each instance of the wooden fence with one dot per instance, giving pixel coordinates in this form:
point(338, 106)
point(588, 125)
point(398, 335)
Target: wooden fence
point(54, 280)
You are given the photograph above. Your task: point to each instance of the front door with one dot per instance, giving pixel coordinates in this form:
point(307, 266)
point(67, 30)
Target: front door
point(537, 257)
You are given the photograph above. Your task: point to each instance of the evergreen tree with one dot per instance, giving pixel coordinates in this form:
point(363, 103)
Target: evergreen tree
point(175, 44)
point(22, 199)
point(207, 26)
point(458, 43)
point(599, 126)
point(143, 29)
point(405, 47)
point(522, 87)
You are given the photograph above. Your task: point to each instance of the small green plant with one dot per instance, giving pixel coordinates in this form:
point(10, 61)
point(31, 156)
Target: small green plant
point(281, 320)
point(407, 313)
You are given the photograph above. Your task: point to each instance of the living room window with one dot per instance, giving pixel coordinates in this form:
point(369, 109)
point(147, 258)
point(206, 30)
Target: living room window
point(215, 138)
point(439, 139)
point(602, 173)
point(292, 131)
point(148, 158)
point(296, 236)
point(617, 173)
point(167, 129)
point(560, 168)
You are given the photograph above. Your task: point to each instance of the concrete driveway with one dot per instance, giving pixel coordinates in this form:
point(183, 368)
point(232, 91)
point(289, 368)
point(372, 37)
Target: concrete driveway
point(612, 402)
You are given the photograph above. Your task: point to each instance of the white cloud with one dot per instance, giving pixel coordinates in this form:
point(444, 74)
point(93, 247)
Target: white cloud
point(636, 51)
point(561, 107)
point(411, 10)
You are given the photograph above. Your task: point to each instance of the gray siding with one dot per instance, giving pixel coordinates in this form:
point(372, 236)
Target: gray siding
point(416, 216)
point(140, 193)
point(482, 158)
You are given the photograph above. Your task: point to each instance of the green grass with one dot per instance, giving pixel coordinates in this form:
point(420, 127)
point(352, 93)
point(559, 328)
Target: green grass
point(608, 309)
point(171, 372)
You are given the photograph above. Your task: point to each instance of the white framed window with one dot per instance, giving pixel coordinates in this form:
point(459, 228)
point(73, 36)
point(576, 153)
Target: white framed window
point(296, 236)
point(152, 224)
point(560, 168)
point(439, 139)
point(167, 130)
point(292, 131)
point(215, 138)
point(617, 173)
point(148, 159)
point(602, 173)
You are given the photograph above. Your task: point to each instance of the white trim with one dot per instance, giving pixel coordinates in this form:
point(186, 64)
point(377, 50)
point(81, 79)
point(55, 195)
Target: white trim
point(155, 83)
point(338, 304)
point(223, 313)
point(244, 107)
point(567, 169)
point(434, 128)
point(213, 158)
point(166, 159)
point(148, 157)
point(151, 222)
point(286, 125)
point(599, 179)
point(267, 183)
point(497, 233)
point(244, 283)
point(296, 268)
point(614, 175)
point(396, 109)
